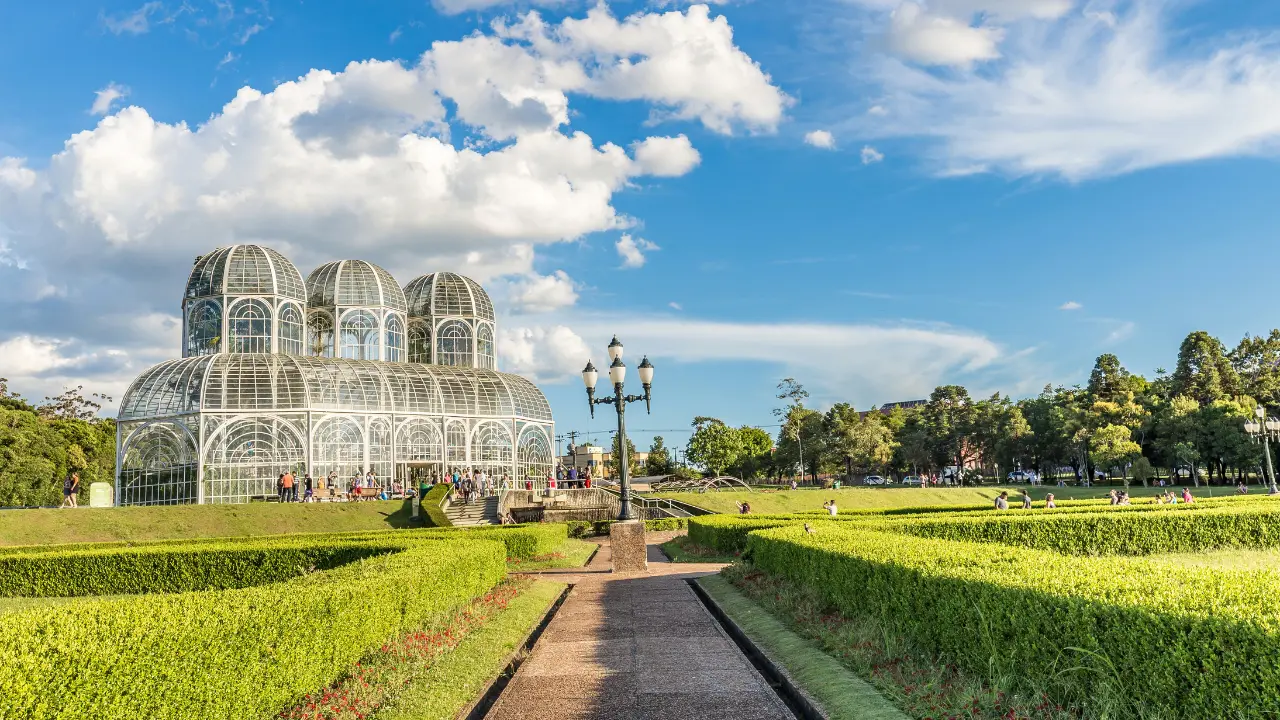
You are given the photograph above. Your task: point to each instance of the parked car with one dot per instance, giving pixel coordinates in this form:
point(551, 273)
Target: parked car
point(874, 480)
point(911, 480)
point(1024, 476)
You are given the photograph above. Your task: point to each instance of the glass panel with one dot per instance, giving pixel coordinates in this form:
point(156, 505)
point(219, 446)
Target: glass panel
point(158, 466)
point(291, 330)
point(535, 453)
point(453, 344)
point(204, 328)
point(419, 342)
point(249, 326)
point(359, 335)
point(484, 348)
point(395, 338)
point(338, 451)
point(244, 460)
point(320, 334)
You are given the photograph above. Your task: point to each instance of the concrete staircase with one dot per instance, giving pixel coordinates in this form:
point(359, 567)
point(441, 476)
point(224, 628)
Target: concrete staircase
point(484, 511)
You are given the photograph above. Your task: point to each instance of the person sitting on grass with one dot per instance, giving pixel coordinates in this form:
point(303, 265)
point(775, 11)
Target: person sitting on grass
point(1115, 498)
point(1242, 489)
point(1026, 501)
point(1049, 504)
point(1123, 498)
point(1186, 496)
point(1002, 502)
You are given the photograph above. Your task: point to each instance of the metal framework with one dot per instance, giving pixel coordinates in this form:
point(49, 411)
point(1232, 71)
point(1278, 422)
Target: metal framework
point(259, 391)
point(723, 482)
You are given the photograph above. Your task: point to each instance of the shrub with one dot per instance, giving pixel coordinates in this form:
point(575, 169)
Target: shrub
point(1190, 642)
point(430, 506)
point(522, 541)
point(120, 659)
point(171, 568)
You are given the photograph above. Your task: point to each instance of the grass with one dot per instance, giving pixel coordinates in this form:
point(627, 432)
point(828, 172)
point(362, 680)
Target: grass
point(919, 685)
point(54, 526)
point(572, 554)
point(1228, 559)
point(843, 695)
point(455, 680)
point(682, 550)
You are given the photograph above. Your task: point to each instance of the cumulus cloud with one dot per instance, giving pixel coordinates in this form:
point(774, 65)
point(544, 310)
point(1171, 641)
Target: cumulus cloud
point(820, 139)
point(542, 354)
point(1070, 305)
point(871, 155)
point(361, 162)
point(1049, 87)
point(632, 249)
point(535, 293)
point(106, 97)
point(666, 156)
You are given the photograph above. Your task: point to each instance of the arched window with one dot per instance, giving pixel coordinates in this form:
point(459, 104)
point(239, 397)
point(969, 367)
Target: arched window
point(338, 448)
point(380, 450)
point(535, 454)
point(395, 338)
point(420, 442)
point(204, 328)
point(290, 342)
point(492, 448)
point(484, 348)
point(453, 344)
point(243, 459)
point(158, 466)
point(455, 443)
point(419, 342)
point(359, 335)
point(320, 334)
point(250, 327)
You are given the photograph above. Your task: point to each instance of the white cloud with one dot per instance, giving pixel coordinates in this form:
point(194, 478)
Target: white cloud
point(878, 110)
point(1083, 94)
point(249, 32)
point(878, 363)
point(535, 293)
point(542, 354)
point(106, 97)
point(666, 156)
point(133, 23)
point(227, 59)
point(685, 62)
point(1004, 10)
point(1070, 305)
point(1123, 330)
point(870, 155)
point(820, 139)
point(675, 305)
point(632, 250)
point(920, 36)
point(455, 7)
point(395, 35)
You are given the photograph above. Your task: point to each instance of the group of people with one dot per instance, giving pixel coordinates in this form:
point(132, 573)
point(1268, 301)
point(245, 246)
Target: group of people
point(1171, 498)
point(1002, 501)
point(291, 488)
point(570, 479)
point(471, 485)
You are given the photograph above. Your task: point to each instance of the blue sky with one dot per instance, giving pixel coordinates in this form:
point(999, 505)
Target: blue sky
point(873, 196)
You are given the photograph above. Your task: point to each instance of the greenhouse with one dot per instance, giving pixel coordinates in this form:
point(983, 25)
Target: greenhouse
point(251, 398)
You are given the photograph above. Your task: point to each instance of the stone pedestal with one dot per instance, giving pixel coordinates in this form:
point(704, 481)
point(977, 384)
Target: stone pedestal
point(626, 543)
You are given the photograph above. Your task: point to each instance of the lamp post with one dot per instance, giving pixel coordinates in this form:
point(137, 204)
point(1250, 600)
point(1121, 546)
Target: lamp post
point(617, 373)
point(1265, 428)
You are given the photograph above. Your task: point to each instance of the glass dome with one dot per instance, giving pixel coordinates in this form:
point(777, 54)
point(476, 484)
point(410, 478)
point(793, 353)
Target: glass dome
point(245, 270)
point(350, 283)
point(446, 294)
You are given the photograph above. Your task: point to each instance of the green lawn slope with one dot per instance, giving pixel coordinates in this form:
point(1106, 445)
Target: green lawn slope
point(161, 522)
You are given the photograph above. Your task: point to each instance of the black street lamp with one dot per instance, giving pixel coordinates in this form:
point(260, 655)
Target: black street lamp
point(617, 373)
point(1265, 428)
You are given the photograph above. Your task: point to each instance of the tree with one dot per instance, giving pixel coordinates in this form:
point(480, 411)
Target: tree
point(1203, 372)
point(793, 415)
point(1142, 471)
point(1113, 447)
point(861, 442)
point(1108, 379)
point(754, 449)
point(615, 459)
point(660, 461)
point(72, 404)
point(1256, 360)
point(713, 445)
point(949, 418)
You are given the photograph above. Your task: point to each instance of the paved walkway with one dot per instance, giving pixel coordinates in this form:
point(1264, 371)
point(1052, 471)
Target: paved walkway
point(636, 647)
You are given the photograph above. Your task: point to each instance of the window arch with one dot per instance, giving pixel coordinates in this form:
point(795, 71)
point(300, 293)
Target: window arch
point(380, 450)
point(204, 328)
point(453, 344)
point(455, 443)
point(250, 327)
point(290, 342)
point(484, 348)
point(359, 335)
point(420, 442)
point(158, 466)
point(492, 448)
point(244, 459)
point(535, 454)
point(338, 448)
point(320, 334)
point(395, 338)
point(419, 342)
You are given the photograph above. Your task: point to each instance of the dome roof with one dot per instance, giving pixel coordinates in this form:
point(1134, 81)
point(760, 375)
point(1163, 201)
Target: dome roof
point(353, 283)
point(229, 382)
point(245, 270)
point(448, 294)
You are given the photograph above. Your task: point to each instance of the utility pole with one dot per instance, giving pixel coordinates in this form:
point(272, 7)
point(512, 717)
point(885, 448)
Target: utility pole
point(573, 448)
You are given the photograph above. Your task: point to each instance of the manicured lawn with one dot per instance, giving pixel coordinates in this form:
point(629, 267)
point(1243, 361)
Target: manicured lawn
point(572, 554)
point(681, 550)
point(454, 681)
point(841, 694)
point(54, 526)
point(811, 499)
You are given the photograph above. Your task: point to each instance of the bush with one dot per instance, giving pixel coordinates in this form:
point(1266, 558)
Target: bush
point(170, 569)
point(522, 541)
point(1189, 642)
point(120, 659)
point(430, 506)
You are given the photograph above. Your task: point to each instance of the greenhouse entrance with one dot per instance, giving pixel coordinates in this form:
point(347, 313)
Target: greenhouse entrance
point(415, 474)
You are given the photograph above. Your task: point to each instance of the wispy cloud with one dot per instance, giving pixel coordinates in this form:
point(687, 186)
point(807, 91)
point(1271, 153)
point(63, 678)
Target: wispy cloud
point(1122, 331)
point(674, 305)
point(249, 32)
point(136, 22)
point(227, 59)
point(871, 155)
point(1070, 305)
point(105, 98)
point(866, 294)
point(395, 35)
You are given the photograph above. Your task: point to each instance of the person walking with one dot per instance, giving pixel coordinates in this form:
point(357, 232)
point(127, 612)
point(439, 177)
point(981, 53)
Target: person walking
point(309, 495)
point(1002, 502)
point(70, 490)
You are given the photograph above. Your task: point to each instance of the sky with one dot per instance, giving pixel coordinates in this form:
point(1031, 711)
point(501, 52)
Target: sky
point(872, 196)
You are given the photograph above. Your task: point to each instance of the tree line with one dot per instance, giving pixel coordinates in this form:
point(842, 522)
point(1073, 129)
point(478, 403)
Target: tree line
point(41, 443)
point(1119, 423)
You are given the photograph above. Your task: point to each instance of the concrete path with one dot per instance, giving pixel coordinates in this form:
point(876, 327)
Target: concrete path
point(636, 647)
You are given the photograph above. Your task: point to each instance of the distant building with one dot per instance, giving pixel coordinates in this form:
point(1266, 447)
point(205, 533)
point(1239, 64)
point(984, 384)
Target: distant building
point(598, 460)
point(887, 408)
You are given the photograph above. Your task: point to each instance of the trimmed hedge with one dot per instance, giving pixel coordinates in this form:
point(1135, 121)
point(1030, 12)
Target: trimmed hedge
point(522, 541)
point(120, 659)
point(430, 506)
point(1189, 642)
point(170, 569)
